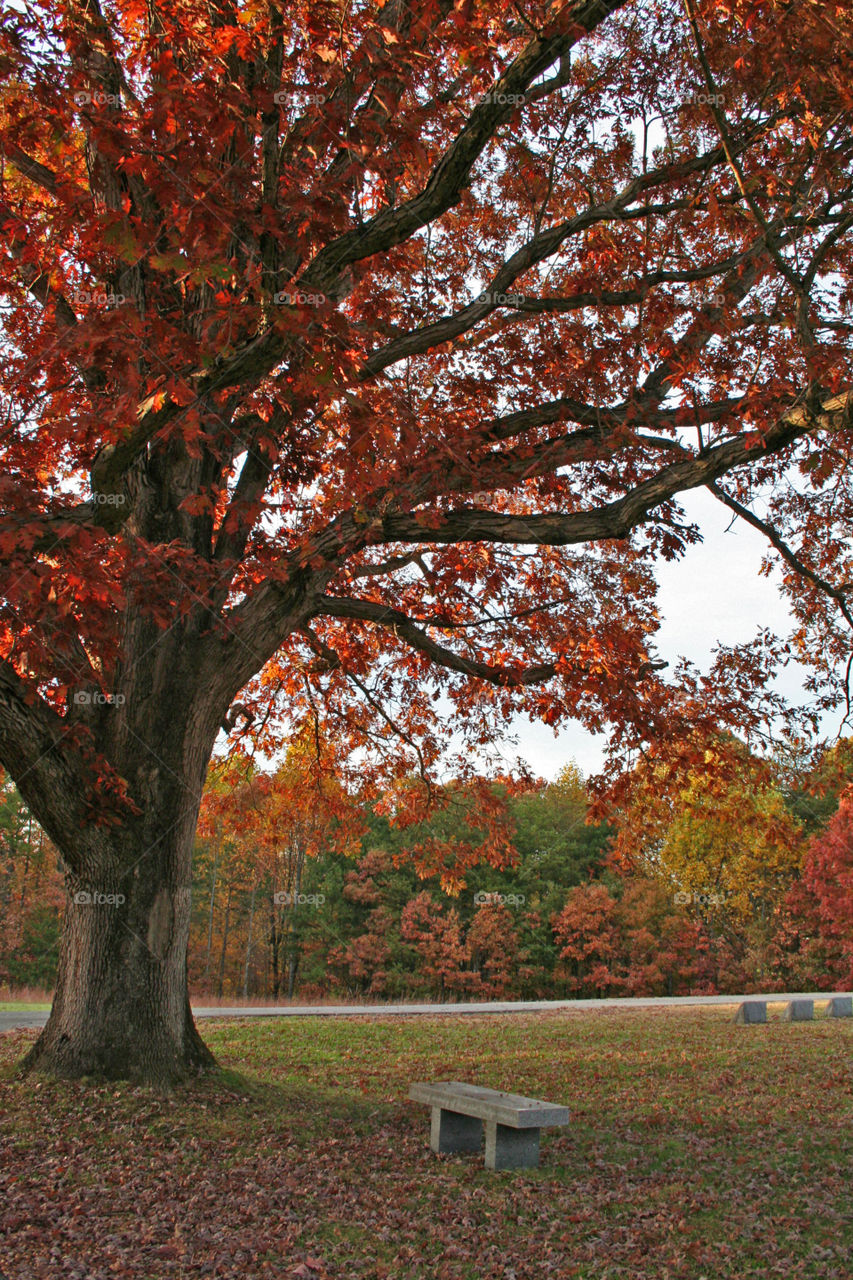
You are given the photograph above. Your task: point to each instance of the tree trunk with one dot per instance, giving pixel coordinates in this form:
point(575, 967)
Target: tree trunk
point(23, 902)
point(292, 931)
point(116, 784)
point(292, 966)
point(121, 1007)
point(249, 944)
point(220, 987)
point(275, 941)
point(210, 910)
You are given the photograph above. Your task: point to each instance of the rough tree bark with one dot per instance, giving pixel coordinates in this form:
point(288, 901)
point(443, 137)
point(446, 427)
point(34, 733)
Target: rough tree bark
point(121, 1007)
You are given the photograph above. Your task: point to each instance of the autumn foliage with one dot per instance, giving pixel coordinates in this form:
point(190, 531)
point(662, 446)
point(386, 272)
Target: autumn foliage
point(828, 876)
point(334, 908)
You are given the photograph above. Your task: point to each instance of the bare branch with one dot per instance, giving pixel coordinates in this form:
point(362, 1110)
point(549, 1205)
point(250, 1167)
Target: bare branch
point(787, 553)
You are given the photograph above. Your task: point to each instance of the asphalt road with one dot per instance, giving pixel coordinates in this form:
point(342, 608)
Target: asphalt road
point(10, 1019)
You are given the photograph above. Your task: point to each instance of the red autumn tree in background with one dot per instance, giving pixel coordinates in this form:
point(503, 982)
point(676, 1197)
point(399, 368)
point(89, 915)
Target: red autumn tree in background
point(356, 356)
point(493, 947)
point(588, 936)
point(364, 958)
point(436, 936)
point(828, 875)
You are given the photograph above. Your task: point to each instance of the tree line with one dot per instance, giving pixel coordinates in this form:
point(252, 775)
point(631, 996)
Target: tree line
point(302, 889)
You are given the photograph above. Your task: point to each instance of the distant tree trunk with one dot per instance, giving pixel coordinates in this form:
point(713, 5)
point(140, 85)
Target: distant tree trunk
point(216, 849)
point(249, 944)
point(225, 929)
point(26, 871)
point(275, 944)
point(292, 966)
point(292, 937)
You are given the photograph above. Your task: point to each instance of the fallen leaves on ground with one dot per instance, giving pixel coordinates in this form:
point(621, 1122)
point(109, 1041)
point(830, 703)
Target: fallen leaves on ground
point(696, 1149)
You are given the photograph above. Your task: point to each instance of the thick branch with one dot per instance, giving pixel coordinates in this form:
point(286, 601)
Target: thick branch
point(47, 774)
point(406, 629)
point(614, 519)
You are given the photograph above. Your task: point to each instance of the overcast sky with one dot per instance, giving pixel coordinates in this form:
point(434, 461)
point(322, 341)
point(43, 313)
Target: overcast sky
point(713, 594)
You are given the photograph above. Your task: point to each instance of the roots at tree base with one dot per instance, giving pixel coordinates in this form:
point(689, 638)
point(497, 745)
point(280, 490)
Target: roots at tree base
point(91, 1048)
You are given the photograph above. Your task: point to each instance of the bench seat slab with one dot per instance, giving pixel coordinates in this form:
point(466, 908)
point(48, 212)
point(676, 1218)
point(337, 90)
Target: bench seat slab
point(490, 1104)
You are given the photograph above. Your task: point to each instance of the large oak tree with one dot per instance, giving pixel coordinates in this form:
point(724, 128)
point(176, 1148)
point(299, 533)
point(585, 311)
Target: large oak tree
point(355, 355)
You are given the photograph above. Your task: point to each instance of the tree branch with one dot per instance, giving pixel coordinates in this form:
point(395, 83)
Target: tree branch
point(406, 629)
point(47, 774)
point(615, 519)
point(787, 553)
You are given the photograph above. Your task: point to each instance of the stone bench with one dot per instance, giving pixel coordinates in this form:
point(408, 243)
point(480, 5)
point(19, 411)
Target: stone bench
point(512, 1122)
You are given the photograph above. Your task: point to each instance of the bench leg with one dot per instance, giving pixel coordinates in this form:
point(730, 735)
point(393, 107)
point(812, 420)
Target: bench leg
point(450, 1131)
point(508, 1148)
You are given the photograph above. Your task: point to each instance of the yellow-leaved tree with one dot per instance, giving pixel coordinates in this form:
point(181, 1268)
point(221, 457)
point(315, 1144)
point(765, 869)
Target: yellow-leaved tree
point(720, 835)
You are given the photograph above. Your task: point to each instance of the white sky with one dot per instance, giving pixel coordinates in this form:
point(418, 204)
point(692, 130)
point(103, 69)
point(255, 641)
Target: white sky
point(713, 594)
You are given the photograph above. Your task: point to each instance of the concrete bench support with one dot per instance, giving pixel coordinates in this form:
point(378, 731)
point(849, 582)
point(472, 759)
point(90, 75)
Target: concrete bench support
point(512, 1123)
point(751, 1011)
point(450, 1131)
point(840, 1007)
point(798, 1011)
point(508, 1148)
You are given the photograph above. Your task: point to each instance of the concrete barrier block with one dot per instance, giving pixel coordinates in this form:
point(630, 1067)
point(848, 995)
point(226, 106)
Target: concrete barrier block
point(798, 1011)
point(751, 1011)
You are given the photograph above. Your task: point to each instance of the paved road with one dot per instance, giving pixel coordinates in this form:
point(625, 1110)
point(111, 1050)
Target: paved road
point(37, 1018)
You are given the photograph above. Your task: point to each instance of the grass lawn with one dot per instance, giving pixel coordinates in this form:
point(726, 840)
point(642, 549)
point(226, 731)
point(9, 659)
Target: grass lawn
point(697, 1149)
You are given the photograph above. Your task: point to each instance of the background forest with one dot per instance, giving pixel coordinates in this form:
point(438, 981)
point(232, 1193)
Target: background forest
point(305, 888)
